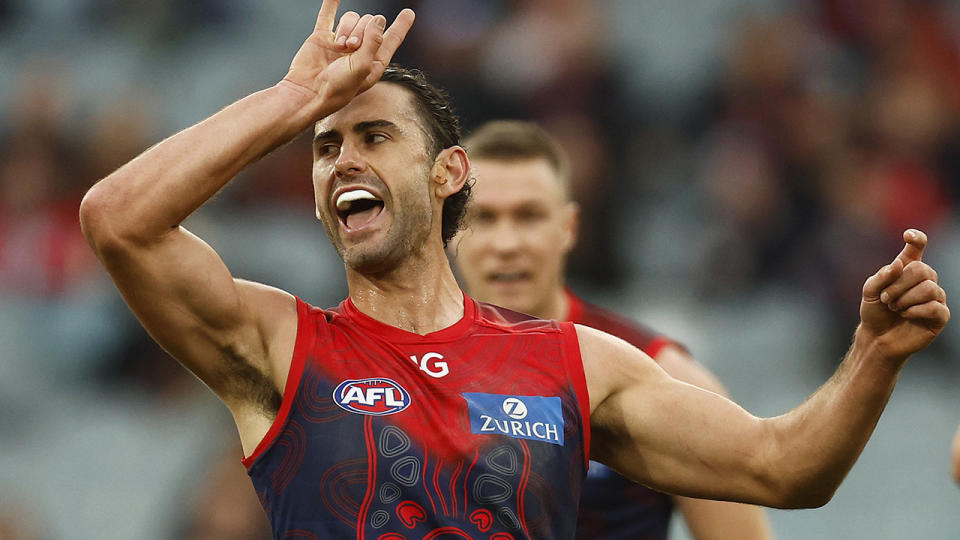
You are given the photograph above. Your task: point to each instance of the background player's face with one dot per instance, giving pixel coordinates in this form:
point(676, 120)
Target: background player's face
point(370, 179)
point(520, 227)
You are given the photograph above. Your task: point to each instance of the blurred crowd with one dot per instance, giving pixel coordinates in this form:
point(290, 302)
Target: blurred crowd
point(787, 144)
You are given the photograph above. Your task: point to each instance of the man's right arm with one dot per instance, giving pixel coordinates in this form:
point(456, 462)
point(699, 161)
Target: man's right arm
point(234, 335)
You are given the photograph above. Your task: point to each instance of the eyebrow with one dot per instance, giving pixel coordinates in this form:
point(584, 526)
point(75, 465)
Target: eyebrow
point(359, 127)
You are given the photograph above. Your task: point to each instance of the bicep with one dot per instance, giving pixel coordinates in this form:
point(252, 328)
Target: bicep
point(666, 433)
point(185, 297)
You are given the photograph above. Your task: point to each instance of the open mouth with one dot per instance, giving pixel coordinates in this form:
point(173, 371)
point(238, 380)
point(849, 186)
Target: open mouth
point(357, 208)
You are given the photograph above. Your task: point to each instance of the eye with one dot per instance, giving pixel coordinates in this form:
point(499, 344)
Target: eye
point(480, 217)
point(375, 138)
point(531, 215)
point(328, 149)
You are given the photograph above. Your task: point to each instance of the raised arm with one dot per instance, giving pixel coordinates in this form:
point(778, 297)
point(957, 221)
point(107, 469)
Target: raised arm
point(235, 335)
point(684, 440)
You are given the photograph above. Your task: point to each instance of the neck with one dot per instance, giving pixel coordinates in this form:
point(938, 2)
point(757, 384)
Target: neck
point(421, 295)
point(557, 306)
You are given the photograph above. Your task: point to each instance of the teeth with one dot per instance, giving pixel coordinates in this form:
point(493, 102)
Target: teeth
point(347, 197)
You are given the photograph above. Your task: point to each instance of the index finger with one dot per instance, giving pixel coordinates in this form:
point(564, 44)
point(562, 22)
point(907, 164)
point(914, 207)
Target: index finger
point(327, 16)
point(916, 242)
point(394, 35)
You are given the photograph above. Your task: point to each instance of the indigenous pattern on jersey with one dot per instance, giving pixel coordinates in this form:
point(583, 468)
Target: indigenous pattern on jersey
point(477, 431)
point(611, 506)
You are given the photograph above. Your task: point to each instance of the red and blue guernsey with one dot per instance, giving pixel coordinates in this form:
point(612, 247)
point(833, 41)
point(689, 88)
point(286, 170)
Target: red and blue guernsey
point(611, 506)
point(477, 431)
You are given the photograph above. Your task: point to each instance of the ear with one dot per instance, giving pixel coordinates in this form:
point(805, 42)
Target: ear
point(570, 225)
point(450, 171)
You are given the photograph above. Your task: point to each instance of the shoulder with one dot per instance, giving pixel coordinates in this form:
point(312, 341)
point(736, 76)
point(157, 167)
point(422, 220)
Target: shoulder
point(611, 364)
point(510, 321)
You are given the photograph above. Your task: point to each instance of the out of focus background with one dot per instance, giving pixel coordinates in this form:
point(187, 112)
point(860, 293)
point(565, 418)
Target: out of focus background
point(743, 165)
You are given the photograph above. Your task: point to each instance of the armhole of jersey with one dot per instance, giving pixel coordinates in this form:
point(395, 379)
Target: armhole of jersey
point(290, 389)
point(656, 345)
point(574, 364)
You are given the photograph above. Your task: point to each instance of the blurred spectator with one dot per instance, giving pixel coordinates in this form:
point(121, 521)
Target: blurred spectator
point(42, 252)
point(224, 506)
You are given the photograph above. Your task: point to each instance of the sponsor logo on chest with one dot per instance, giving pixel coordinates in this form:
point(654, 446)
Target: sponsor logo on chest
point(375, 396)
point(537, 418)
point(432, 364)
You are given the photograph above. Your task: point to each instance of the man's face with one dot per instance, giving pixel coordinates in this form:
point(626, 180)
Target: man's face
point(371, 179)
point(520, 228)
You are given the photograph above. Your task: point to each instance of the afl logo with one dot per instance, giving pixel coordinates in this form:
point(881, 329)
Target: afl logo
point(376, 397)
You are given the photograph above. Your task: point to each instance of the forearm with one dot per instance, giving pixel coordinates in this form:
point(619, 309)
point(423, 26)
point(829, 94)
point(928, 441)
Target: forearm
point(156, 191)
point(817, 443)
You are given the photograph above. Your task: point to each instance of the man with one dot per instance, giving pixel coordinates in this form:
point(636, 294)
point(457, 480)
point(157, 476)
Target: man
point(521, 226)
point(410, 410)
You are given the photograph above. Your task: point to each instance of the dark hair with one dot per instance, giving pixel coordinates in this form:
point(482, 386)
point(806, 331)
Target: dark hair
point(518, 140)
point(443, 129)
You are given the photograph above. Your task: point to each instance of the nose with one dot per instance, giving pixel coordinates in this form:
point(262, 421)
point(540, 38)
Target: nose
point(349, 161)
point(506, 238)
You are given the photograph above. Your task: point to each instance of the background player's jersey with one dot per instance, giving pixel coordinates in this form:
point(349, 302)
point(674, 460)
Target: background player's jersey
point(479, 430)
point(611, 506)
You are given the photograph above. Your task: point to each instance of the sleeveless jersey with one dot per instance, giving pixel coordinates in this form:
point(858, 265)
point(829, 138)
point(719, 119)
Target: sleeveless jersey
point(479, 430)
point(611, 506)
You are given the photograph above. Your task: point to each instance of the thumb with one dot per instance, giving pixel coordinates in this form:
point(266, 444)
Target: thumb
point(916, 242)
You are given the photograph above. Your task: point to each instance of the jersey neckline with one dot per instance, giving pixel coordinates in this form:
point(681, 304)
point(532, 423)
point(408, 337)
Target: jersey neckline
point(398, 335)
point(574, 306)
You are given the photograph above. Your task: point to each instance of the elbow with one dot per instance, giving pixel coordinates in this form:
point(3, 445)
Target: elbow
point(103, 220)
point(791, 481)
point(794, 493)
point(95, 215)
point(807, 497)
point(111, 221)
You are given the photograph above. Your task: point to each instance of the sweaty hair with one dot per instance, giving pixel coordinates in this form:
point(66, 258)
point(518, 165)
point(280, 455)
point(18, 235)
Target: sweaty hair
point(517, 140)
point(443, 130)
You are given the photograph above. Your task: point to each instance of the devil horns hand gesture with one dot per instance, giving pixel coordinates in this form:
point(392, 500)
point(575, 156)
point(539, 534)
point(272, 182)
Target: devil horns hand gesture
point(903, 307)
point(334, 66)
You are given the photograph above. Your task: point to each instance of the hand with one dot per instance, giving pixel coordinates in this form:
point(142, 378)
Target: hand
point(333, 67)
point(903, 307)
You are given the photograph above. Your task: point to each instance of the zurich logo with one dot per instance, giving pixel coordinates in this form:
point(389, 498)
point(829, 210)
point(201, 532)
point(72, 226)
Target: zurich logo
point(376, 397)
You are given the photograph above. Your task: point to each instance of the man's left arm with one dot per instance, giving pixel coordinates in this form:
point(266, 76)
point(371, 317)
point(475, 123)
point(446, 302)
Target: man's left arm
point(708, 519)
point(681, 439)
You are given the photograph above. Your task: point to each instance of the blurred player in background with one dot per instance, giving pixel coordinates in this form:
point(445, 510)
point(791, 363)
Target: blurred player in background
point(520, 227)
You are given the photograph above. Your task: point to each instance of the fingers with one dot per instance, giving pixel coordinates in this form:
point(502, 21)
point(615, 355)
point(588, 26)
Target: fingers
point(356, 36)
point(917, 295)
point(884, 277)
point(345, 27)
point(916, 242)
point(372, 37)
point(913, 275)
point(394, 36)
point(355, 32)
point(935, 313)
point(925, 291)
point(327, 16)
